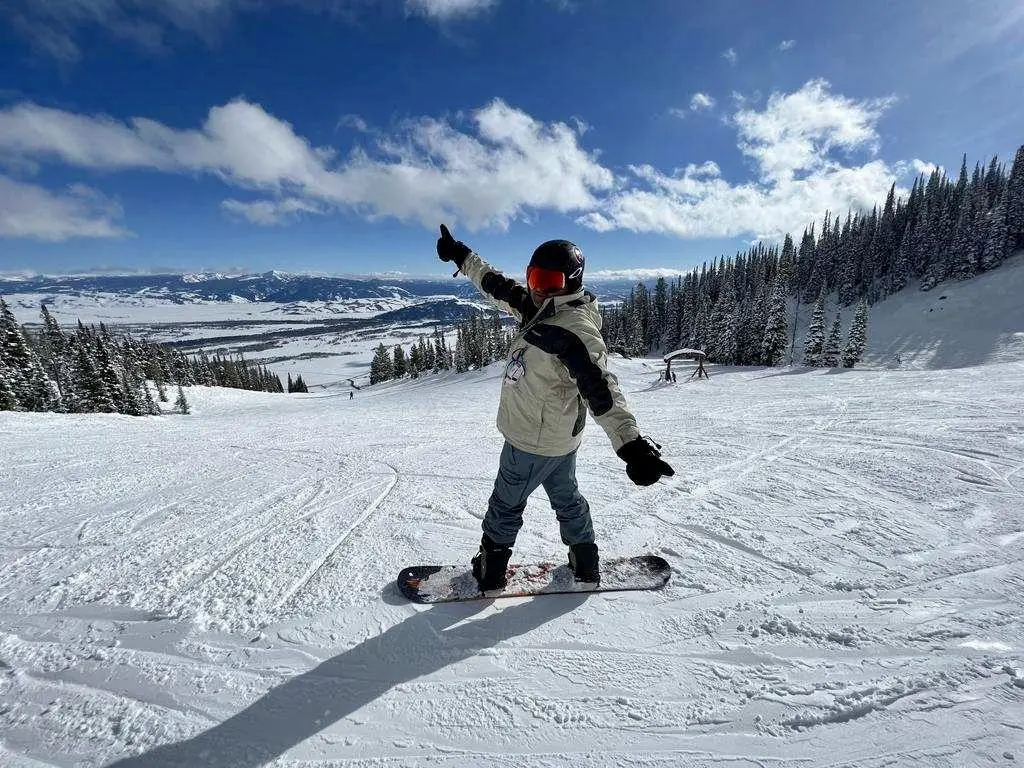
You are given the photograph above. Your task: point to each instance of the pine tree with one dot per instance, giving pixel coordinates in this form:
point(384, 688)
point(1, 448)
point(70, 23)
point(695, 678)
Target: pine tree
point(130, 402)
point(415, 360)
point(787, 264)
point(32, 388)
point(1015, 202)
point(901, 268)
point(400, 365)
point(660, 314)
point(149, 406)
point(858, 339)
point(181, 404)
point(724, 326)
point(381, 365)
point(815, 339)
point(830, 352)
point(107, 371)
point(963, 263)
point(996, 237)
point(92, 388)
point(8, 401)
point(461, 356)
point(776, 332)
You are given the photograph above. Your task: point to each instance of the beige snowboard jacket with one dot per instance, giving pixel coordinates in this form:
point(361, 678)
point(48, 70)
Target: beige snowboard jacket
point(557, 369)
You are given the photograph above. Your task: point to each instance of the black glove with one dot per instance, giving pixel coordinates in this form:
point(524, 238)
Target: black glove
point(450, 249)
point(643, 461)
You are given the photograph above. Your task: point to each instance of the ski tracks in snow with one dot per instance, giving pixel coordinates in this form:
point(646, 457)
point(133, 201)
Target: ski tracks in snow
point(319, 564)
point(846, 586)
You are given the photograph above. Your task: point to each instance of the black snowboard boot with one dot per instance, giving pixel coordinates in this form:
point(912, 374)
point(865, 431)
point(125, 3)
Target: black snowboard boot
point(583, 561)
point(489, 564)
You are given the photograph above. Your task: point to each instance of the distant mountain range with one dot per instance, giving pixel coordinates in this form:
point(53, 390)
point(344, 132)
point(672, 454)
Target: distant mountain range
point(272, 287)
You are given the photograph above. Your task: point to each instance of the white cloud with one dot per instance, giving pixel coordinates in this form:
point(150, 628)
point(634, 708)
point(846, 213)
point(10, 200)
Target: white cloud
point(445, 10)
point(430, 171)
point(27, 210)
point(701, 102)
point(678, 112)
point(920, 166)
point(731, 56)
point(786, 45)
point(796, 131)
point(792, 141)
point(270, 212)
point(496, 165)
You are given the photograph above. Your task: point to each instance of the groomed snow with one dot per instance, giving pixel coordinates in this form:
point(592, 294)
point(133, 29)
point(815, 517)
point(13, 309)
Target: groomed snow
point(216, 589)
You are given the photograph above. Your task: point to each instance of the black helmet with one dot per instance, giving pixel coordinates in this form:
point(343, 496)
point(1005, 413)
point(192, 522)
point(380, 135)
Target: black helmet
point(561, 256)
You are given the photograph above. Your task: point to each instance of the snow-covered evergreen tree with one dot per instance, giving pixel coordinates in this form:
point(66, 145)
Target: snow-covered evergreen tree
point(722, 345)
point(996, 237)
point(830, 352)
point(400, 364)
point(776, 332)
point(858, 339)
point(33, 389)
point(814, 342)
point(181, 404)
point(8, 401)
point(963, 262)
point(1015, 202)
point(92, 388)
point(149, 405)
point(381, 366)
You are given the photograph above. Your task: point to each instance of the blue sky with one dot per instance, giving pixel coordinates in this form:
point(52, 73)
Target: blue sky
point(333, 135)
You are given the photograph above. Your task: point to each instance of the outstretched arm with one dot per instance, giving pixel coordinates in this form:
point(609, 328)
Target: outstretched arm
point(507, 294)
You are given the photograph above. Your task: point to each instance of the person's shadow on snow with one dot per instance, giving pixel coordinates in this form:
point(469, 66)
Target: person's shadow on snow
point(307, 704)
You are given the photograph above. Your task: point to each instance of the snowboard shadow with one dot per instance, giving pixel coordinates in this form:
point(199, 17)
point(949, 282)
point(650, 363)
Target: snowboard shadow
point(287, 715)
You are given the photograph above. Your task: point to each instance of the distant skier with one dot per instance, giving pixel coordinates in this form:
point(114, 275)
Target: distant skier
point(556, 370)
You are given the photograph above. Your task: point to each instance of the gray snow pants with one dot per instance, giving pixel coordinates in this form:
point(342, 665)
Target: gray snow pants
point(519, 474)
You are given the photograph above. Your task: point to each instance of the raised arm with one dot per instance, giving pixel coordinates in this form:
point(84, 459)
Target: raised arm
point(507, 294)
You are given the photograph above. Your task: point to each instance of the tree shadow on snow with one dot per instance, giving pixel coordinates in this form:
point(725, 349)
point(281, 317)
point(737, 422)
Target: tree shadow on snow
point(303, 706)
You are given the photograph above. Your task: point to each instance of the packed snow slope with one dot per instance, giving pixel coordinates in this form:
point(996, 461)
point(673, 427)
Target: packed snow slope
point(216, 589)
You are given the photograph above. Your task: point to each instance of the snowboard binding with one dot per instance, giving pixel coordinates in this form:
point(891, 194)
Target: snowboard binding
point(490, 564)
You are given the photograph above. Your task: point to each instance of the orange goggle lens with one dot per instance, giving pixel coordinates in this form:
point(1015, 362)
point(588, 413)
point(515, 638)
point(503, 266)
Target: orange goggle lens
point(544, 280)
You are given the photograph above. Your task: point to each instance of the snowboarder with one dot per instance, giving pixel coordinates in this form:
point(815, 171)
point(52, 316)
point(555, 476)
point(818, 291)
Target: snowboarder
point(556, 371)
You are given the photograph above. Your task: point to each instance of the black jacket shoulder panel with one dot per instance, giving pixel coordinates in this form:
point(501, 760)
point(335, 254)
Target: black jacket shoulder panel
point(572, 351)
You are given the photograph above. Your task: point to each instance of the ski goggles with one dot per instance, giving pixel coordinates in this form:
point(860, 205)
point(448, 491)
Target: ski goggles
point(541, 280)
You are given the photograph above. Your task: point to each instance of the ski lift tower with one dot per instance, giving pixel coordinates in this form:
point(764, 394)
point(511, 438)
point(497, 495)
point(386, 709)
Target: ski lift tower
point(697, 355)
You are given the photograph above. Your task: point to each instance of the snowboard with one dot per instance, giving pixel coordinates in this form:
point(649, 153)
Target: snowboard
point(456, 583)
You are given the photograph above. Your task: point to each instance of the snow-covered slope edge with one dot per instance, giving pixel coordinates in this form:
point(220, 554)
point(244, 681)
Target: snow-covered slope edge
point(954, 325)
